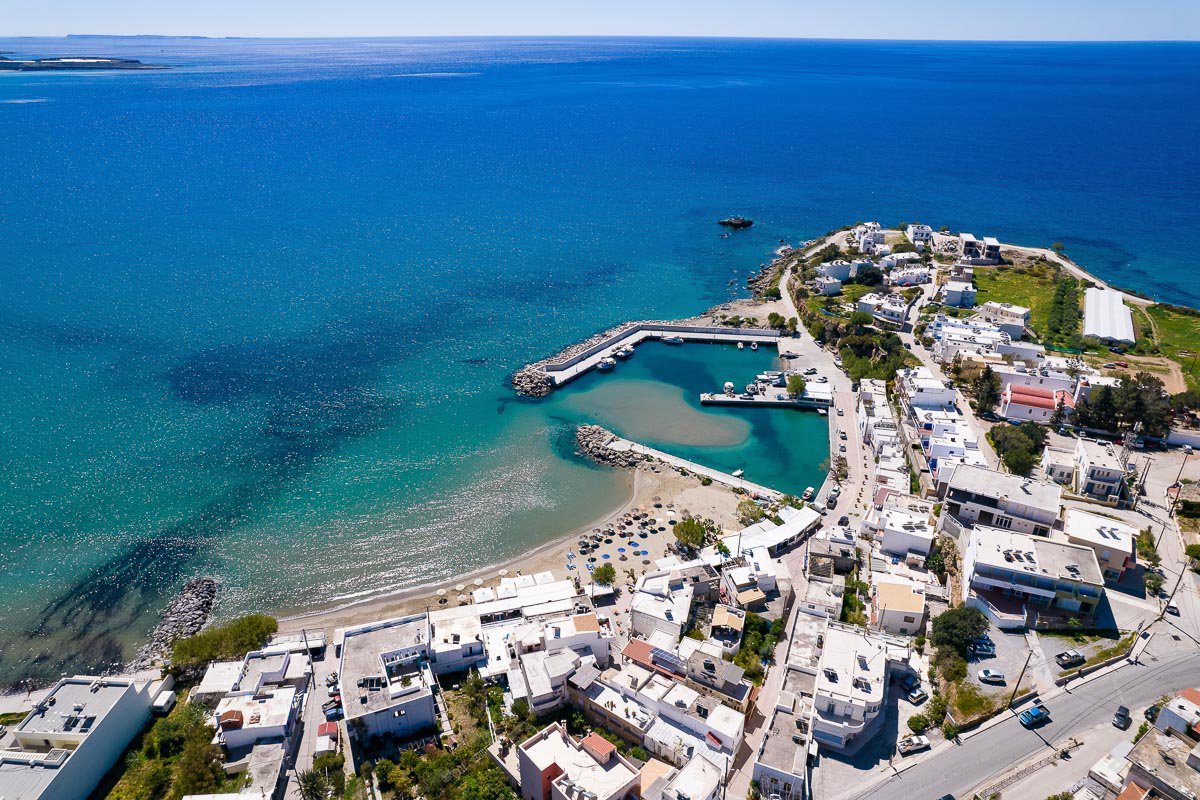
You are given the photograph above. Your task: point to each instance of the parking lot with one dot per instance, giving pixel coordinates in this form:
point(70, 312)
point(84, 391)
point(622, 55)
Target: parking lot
point(1011, 652)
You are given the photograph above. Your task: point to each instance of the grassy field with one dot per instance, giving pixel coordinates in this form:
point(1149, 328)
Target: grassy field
point(1030, 286)
point(1178, 339)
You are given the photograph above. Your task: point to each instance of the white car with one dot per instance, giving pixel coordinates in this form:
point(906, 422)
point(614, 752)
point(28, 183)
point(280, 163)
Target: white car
point(912, 744)
point(991, 676)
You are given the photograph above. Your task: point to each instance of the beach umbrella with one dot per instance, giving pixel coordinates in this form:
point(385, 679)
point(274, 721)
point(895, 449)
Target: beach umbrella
point(606, 555)
point(441, 599)
point(478, 581)
point(441, 592)
point(462, 598)
point(503, 572)
point(459, 587)
point(620, 549)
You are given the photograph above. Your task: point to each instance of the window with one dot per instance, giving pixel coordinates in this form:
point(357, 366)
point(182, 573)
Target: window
point(910, 619)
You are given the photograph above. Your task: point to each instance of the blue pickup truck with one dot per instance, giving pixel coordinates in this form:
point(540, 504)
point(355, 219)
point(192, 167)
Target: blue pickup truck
point(1032, 717)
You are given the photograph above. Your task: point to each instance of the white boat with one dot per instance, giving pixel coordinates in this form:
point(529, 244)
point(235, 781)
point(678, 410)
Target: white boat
point(754, 345)
point(737, 473)
point(822, 412)
point(740, 345)
point(808, 493)
point(624, 352)
point(606, 363)
point(673, 340)
point(728, 387)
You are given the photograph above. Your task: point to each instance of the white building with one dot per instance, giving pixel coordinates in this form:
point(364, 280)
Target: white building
point(699, 779)
point(827, 287)
point(979, 251)
point(888, 309)
point(1011, 319)
point(1033, 404)
point(952, 336)
point(540, 679)
point(1043, 377)
point(63, 748)
point(385, 677)
point(902, 261)
point(851, 683)
point(986, 497)
point(902, 527)
point(959, 294)
point(909, 276)
point(920, 235)
point(921, 389)
point(1114, 542)
point(798, 525)
point(555, 766)
point(868, 236)
point(839, 269)
point(1106, 317)
point(1058, 464)
point(781, 760)
point(1100, 470)
point(898, 605)
point(1051, 576)
point(244, 720)
point(660, 603)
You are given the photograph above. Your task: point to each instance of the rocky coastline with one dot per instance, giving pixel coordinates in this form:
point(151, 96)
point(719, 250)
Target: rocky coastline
point(184, 616)
point(593, 442)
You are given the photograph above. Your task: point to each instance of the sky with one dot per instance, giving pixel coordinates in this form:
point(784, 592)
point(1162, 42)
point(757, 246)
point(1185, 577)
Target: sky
point(842, 19)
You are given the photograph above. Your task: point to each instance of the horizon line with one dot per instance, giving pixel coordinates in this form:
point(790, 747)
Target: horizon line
point(351, 37)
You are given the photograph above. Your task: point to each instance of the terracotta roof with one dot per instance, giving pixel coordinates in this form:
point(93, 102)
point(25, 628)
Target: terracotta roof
point(639, 651)
point(1191, 695)
point(1030, 396)
point(587, 622)
point(1133, 792)
point(599, 746)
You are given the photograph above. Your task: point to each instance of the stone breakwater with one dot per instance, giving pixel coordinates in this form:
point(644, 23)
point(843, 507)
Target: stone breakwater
point(593, 442)
point(532, 381)
point(185, 616)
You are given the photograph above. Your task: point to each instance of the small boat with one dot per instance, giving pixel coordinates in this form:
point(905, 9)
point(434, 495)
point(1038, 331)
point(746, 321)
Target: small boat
point(624, 352)
point(754, 345)
point(808, 493)
point(751, 388)
point(673, 340)
point(728, 387)
point(822, 412)
point(741, 346)
point(737, 473)
point(606, 363)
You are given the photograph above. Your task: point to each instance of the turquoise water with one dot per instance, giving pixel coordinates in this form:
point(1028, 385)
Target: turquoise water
point(257, 311)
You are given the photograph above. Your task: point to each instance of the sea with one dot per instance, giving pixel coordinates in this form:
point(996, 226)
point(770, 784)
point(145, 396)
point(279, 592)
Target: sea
point(257, 310)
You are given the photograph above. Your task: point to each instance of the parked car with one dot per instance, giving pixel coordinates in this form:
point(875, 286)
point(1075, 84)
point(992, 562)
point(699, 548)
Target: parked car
point(1151, 712)
point(1070, 658)
point(841, 448)
point(991, 676)
point(1121, 719)
point(842, 435)
point(917, 696)
point(841, 413)
point(912, 744)
point(1034, 716)
point(1123, 364)
point(835, 491)
point(1109, 365)
point(843, 520)
point(1173, 609)
point(985, 650)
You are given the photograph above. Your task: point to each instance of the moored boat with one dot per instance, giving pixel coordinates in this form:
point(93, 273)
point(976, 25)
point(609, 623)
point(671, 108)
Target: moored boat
point(754, 345)
point(624, 352)
point(606, 363)
point(673, 340)
point(737, 473)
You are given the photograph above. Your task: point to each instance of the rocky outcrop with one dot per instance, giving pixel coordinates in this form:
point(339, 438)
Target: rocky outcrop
point(736, 222)
point(593, 442)
point(185, 616)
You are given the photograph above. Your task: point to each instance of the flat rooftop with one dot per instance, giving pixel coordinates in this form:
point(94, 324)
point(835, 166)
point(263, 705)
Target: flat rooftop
point(780, 748)
point(899, 595)
point(1101, 455)
point(362, 662)
point(577, 765)
point(261, 664)
point(989, 483)
point(1166, 757)
point(78, 705)
point(267, 709)
point(1018, 552)
point(1098, 530)
point(853, 666)
point(699, 778)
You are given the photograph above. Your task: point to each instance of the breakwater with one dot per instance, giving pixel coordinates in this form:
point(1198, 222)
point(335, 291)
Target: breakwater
point(185, 615)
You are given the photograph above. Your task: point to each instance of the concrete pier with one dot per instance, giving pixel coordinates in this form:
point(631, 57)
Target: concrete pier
point(724, 478)
point(567, 370)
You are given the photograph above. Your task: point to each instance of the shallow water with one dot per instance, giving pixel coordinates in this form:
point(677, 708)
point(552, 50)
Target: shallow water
point(257, 311)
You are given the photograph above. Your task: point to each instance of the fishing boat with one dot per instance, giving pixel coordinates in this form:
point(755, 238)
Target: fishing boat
point(606, 363)
point(741, 346)
point(673, 340)
point(728, 387)
point(754, 345)
point(737, 473)
point(822, 412)
point(624, 352)
point(751, 388)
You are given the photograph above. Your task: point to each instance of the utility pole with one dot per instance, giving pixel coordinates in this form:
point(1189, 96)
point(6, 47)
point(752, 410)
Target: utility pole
point(1017, 685)
point(1179, 485)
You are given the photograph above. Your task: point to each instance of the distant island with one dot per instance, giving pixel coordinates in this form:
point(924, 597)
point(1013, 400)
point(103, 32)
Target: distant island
point(71, 63)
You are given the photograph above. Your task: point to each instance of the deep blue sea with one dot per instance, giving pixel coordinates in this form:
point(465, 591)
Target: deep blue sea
point(257, 310)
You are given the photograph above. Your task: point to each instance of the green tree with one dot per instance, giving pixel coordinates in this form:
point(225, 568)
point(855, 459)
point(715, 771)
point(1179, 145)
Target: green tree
point(796, 385)
point(604, 574)
point(230, 640)
point(690, 532)
point(749, 512)
point(861, 319)
point(918, 723)
point(312, 785)
point(986, 388)
point(955, 628)
point(486, 784)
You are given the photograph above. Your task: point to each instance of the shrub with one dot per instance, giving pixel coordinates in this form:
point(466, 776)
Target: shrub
point(918, 723)
point(955, 628)
point(235, 638)
point(690, 531)
point(748, 512)
point(605, 574)
point(950, 731)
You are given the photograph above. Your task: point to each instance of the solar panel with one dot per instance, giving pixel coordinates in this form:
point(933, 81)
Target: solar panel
point(668, 659)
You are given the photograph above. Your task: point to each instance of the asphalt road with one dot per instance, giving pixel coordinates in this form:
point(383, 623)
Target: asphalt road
point(1166, 666)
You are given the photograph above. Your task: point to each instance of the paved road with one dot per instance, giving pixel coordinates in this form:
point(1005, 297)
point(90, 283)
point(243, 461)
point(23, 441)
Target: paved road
point(1167, 665)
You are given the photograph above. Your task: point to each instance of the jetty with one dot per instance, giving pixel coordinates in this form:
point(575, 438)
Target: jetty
point(540, 378)
point(620, 445)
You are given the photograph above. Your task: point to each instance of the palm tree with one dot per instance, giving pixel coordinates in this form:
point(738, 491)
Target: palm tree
point(312, 785)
